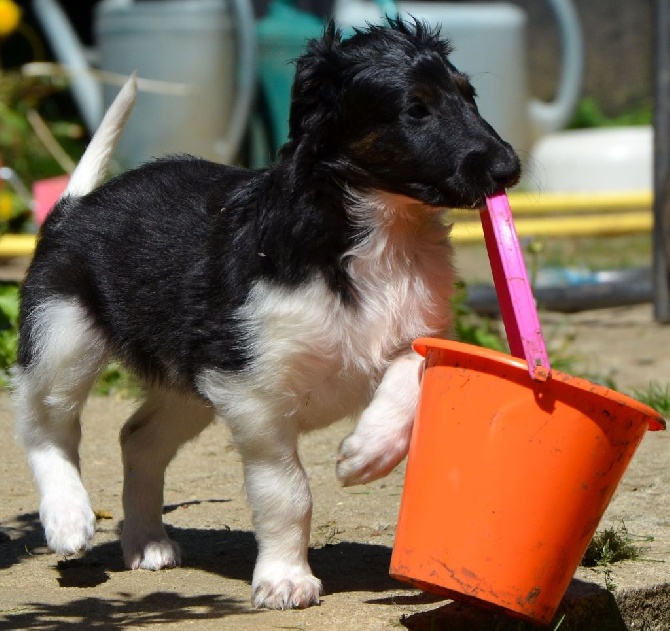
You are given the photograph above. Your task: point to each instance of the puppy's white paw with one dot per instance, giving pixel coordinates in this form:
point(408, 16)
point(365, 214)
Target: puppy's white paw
point(149, 553)
point(69, 523)
point(292, 590)
point(363, 459)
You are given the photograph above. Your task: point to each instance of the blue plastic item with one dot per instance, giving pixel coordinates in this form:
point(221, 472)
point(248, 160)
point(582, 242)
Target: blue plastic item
point(281, 36)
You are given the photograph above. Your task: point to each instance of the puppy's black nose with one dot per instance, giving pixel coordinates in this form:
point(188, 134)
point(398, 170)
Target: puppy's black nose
point(505, 169)
point(494, 166)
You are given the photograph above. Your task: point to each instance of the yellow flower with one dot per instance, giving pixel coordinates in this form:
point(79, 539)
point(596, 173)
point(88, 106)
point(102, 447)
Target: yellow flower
point(10, 16)
point(6, 204)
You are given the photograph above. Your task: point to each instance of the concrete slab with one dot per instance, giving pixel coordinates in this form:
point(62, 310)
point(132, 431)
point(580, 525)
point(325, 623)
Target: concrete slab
point(352, 533)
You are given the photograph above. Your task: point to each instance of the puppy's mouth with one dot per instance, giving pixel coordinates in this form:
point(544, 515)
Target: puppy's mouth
point(449, 198)
point(470, 185)
point(465, 188)
point(461, 195)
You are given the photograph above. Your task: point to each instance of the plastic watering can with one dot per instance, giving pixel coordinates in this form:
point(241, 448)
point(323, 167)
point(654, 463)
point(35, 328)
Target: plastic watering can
point(199, 58)
point(490, 45)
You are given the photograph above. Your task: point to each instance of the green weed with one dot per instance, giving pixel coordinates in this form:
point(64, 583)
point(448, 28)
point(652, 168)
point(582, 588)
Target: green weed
point(656, 396)
point(610, 546)
point(9, 314)
point(590, 114)
point(22, 148)
point(470, 328)
point(616, 252)
point(117, 381)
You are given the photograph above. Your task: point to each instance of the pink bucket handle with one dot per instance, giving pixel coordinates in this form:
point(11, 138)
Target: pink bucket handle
point(510, 278)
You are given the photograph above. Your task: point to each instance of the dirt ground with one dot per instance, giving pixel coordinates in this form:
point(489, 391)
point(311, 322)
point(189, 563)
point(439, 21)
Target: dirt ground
point(352, 534)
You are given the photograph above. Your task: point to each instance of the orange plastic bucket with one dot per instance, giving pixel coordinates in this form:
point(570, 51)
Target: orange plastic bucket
point(508, 477)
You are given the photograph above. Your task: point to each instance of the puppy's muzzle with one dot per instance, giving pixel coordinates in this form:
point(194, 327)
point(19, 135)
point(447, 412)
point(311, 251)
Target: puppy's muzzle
point(491, 168)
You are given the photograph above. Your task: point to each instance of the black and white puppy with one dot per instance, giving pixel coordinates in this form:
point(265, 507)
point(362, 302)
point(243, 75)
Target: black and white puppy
point(278, 300)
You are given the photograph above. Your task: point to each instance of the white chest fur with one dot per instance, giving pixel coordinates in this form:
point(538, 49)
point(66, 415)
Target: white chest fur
point(321, 358)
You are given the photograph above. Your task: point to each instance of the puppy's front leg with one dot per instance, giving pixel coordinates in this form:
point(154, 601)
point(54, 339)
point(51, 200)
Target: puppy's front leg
point(281, 505)
point(381, 437)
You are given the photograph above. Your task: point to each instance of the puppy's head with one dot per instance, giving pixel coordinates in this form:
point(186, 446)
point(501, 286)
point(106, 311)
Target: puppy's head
point(387, 110)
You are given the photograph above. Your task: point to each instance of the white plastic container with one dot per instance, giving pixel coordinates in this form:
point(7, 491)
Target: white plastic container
point(204, 52)
point(588, 160)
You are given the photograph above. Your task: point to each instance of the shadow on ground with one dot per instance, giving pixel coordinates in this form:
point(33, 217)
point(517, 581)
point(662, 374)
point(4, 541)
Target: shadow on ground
point(230, 554)
point(19, 539)
point(124, 611)
point(343, 567)
point(585, 607)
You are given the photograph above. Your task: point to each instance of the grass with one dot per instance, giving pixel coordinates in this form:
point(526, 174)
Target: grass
point(9, 313)
point(116, 381)
point(589, 114)
point(610, 545)
point(471, 328)
point(479, 331)
point(656, 396)
point(614, 252)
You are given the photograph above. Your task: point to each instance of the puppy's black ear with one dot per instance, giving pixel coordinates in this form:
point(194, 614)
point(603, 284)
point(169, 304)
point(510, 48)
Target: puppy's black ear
point(316, 84)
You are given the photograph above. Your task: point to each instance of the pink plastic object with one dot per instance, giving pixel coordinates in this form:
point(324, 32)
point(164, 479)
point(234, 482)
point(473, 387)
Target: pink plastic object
point(45, 195)
point(510, 278)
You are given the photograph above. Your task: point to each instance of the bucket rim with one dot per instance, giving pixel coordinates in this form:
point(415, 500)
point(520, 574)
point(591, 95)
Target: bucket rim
point(423, 345)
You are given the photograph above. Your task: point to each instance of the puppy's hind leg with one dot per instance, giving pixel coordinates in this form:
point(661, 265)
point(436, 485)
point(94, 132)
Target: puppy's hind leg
point(149, 440)
point(64, 354)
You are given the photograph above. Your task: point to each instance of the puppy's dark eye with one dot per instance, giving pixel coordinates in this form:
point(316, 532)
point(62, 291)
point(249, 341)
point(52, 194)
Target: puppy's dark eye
point(418, 111)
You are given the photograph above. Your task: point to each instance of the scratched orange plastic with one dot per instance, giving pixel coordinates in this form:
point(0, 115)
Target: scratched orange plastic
point(508, 478)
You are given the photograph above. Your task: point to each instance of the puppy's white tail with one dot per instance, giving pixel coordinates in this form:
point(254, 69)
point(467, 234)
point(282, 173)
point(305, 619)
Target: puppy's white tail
point(92, 167)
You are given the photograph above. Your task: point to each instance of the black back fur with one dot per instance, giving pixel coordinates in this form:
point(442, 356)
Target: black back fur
point(162, 256)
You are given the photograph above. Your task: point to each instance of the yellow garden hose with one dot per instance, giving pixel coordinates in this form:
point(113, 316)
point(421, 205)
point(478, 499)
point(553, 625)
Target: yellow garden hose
point(14, 245)
point(567, 214)
point(537, 214)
